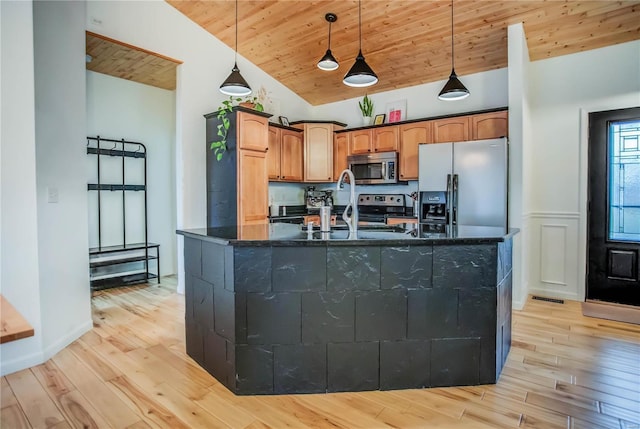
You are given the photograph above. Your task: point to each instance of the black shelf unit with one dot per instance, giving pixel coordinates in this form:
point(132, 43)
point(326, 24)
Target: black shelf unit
point(126, 263)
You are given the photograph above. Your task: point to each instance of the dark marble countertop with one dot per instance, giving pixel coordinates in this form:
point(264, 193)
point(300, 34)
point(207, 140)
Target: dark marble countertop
point(286, 234)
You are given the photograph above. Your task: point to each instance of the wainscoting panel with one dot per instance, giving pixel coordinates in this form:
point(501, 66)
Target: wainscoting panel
point(553, 251)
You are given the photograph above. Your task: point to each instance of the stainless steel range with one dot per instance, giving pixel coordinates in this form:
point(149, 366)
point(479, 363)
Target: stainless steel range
point(376, 207)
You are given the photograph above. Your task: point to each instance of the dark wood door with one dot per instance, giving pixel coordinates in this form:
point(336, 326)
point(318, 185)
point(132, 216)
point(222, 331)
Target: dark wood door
point(614, 207)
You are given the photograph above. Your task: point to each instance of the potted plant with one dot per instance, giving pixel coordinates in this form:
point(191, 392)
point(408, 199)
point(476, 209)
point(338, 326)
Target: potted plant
point(366, 107)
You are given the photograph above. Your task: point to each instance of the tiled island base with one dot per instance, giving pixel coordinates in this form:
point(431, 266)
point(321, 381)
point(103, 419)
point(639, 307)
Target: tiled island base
point(276, 318)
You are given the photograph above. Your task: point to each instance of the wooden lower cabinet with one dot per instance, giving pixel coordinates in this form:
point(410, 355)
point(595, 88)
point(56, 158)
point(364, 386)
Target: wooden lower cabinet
point(340, 153)
point(253, 187)
point(411, 135)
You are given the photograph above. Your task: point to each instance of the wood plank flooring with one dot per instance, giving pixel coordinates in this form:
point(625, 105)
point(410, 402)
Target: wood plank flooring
point(131, 371)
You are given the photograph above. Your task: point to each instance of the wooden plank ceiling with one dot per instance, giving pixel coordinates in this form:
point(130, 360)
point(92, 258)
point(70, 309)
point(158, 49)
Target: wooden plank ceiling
point(406, 42)
point(125, 61)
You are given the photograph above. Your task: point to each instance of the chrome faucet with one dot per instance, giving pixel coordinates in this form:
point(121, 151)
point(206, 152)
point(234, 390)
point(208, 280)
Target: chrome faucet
point(350, 219)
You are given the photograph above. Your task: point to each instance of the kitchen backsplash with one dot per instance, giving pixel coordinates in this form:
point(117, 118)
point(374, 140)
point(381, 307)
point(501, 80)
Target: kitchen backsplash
point(293, 193)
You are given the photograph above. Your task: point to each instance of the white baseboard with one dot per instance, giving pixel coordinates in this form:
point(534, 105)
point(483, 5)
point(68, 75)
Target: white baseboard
point(28, 361)
point(547, 293)
point(23, 362)
point(63, 342)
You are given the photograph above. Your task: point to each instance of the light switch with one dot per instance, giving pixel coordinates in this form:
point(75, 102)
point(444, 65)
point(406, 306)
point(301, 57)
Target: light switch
point(52, 195)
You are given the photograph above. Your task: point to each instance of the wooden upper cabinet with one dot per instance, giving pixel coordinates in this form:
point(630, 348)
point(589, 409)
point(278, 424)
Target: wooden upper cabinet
point(340, 153)
point(451, 129)
point(385, 139)
point(291, 148)
point(361, 141)
point(489, 125)
point(411, 135)
point(273, 155)
point(318, 152)
point(252, 132)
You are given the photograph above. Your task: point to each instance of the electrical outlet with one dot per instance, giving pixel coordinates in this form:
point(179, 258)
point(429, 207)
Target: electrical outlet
point(52, 195)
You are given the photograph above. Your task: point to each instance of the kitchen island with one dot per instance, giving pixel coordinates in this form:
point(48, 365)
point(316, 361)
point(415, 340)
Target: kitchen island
point(273, 309)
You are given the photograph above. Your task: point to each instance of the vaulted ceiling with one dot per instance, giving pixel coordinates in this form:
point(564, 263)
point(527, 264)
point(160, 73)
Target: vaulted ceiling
point(406, 42)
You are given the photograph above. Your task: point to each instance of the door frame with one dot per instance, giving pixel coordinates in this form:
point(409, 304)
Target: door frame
point(583, 182)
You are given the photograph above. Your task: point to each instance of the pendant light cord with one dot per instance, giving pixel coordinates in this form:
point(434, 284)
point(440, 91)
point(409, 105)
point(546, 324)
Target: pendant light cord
point(451, 34)
point(360, 23)
point(329, 45)
point(236, 57)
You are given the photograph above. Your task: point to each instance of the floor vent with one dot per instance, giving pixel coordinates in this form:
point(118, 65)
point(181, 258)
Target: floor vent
point(543, 298)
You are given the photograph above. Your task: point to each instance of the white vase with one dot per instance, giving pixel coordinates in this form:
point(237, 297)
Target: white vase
point(366, 120)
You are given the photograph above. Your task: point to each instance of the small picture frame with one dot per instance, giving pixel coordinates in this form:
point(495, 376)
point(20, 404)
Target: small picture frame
point(379, 119)
point(284, 121)
point(396, 111)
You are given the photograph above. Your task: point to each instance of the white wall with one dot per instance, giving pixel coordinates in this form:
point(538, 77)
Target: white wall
point(488, 90)
point(519, 159)
point(119, 108)
point(206, 64)
point(19, 240)
point(564, 89)
point(59, 52)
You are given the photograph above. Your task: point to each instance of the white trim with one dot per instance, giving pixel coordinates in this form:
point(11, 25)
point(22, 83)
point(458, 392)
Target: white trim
point(542, 249)
point(554, 293)
point(555, 215)
point(23, 362)
point(64, 341)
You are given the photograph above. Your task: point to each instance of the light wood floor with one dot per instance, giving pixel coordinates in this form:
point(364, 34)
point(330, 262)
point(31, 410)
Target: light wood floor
point(131, 371)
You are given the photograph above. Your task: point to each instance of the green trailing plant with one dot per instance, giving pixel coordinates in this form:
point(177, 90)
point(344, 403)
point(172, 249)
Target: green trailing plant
point(366, 106)
point(219, 147)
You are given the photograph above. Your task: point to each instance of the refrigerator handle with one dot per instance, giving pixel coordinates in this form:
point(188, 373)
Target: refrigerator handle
point(449, 197)
point(455, 199)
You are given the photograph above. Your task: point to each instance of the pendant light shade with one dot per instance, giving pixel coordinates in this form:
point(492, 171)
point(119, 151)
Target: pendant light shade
point(329, 62)
point(235, 84)
point(360, 74)
point(453, 89)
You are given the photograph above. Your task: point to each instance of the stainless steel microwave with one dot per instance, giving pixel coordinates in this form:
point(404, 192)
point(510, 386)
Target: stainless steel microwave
point(374, 168)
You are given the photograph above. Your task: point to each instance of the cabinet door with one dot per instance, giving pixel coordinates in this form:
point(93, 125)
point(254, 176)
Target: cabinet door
point(318, 152)
point(340, 153)
point(253, 132)
point(273, 154)
point(291, 156)
point(411, 135)
point(489, 125)
point(253, 187)
point(451, 129)
point(361, 141)
point(385, 139)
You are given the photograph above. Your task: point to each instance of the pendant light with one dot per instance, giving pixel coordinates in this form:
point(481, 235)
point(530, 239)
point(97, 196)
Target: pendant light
point(361, 74)
point(235, 85)
point(453, 89)
point(329, 62)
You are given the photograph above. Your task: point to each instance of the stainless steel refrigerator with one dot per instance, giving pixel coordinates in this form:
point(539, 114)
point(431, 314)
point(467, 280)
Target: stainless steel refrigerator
point(468, 178)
